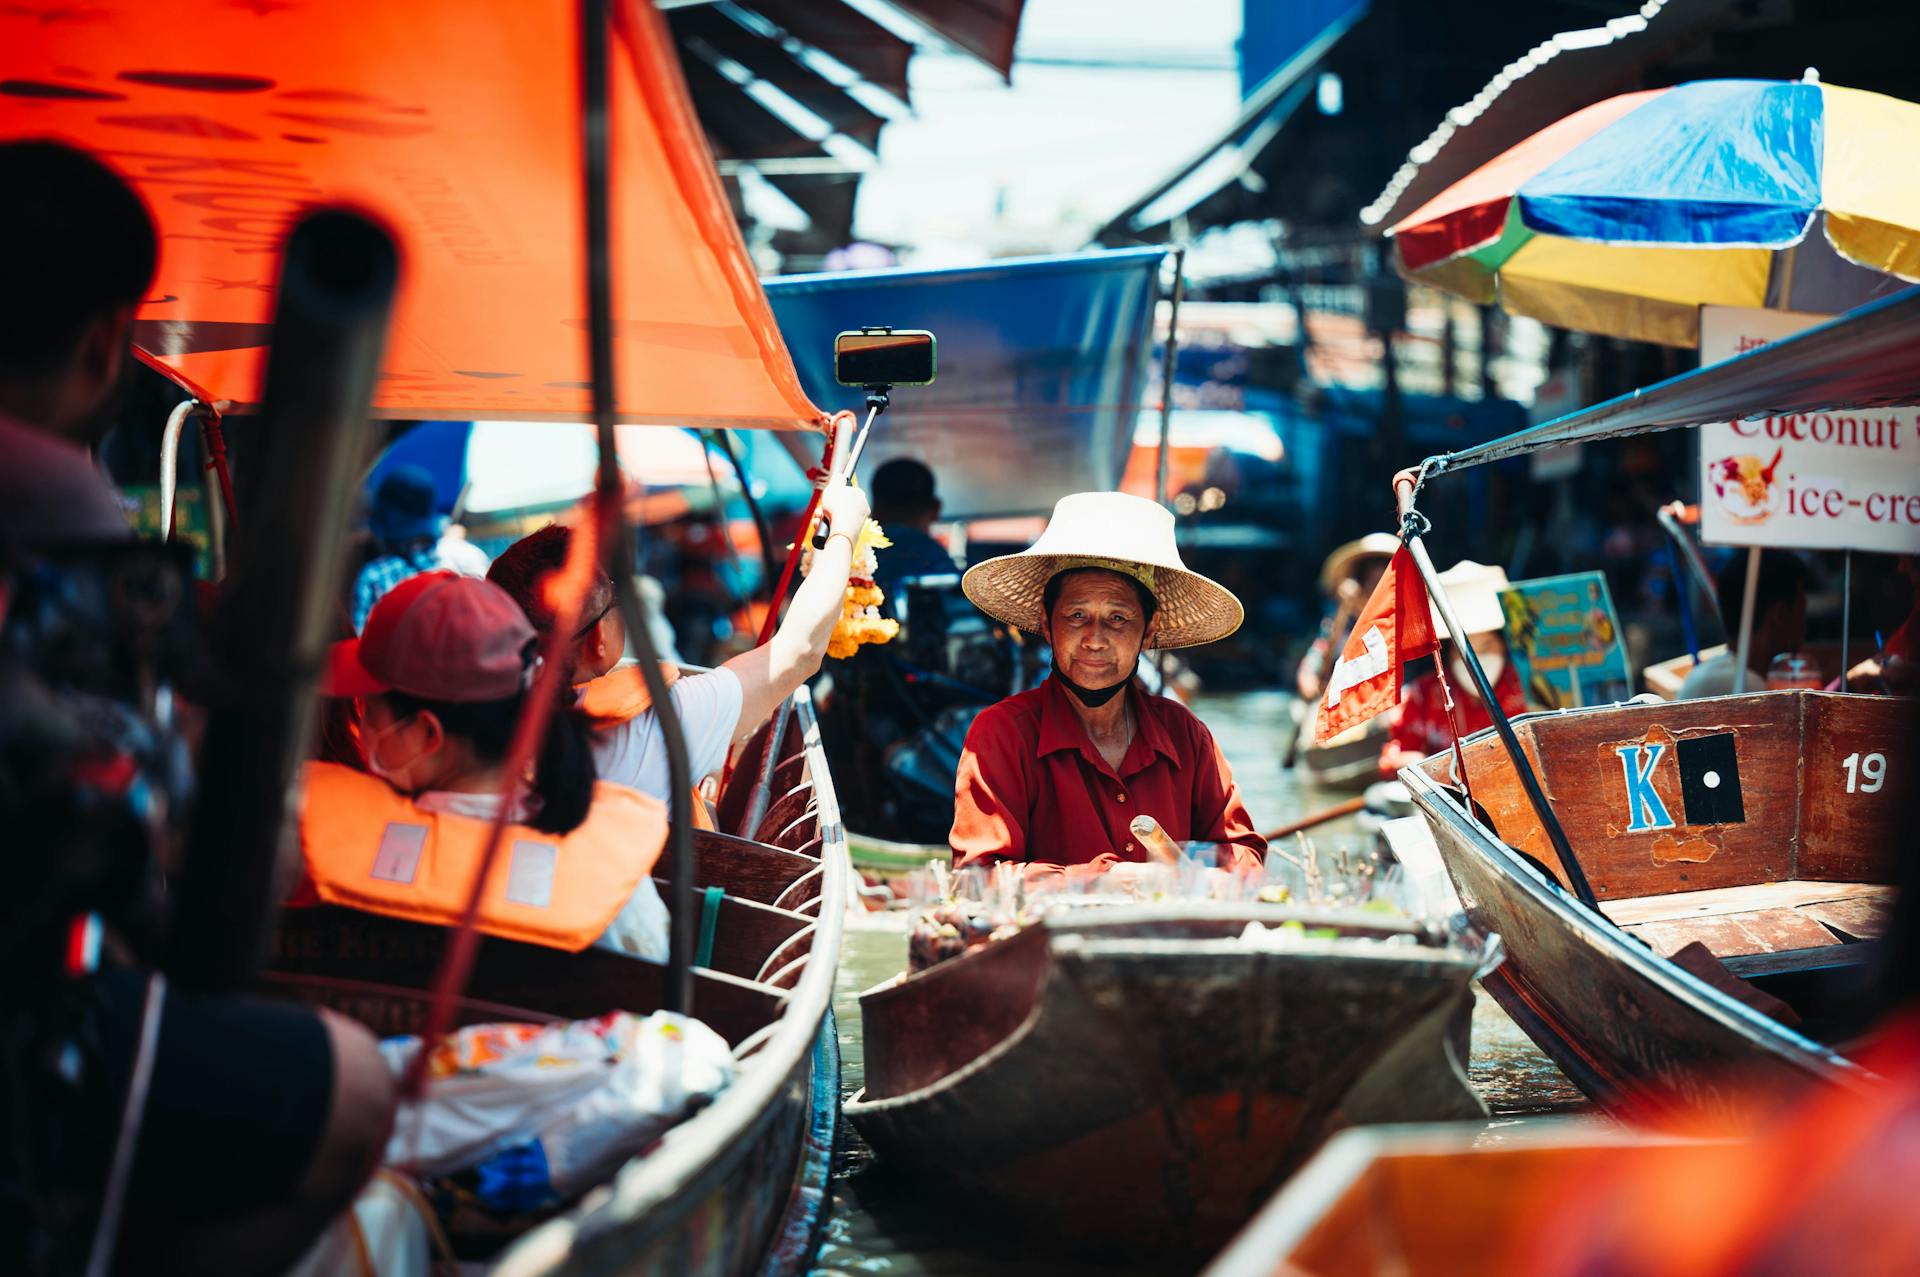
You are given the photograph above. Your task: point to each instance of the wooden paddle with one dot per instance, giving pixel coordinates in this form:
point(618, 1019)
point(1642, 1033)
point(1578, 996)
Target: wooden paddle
point(1347, 808)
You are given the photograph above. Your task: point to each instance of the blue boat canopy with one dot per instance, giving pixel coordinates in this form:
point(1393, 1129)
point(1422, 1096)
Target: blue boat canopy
point(1042, 362)
point(1866, 358)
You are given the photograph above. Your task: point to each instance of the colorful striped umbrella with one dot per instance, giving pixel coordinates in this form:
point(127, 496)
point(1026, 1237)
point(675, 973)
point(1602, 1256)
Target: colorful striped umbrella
point(1626, 217)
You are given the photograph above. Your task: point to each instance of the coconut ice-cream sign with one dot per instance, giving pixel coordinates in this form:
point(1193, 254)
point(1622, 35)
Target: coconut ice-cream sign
point(1819, 480)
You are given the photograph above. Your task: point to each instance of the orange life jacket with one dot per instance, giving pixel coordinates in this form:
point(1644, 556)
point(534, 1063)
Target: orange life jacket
point(620, 696)
point(367, 847)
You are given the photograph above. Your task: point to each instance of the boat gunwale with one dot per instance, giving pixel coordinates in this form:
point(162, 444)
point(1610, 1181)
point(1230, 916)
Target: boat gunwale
point(1441, 807)
point(1075, 944)
point(1079, 921)
point(695, 1150)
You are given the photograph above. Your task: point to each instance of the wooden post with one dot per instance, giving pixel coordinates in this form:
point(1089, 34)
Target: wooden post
point(1745, 641)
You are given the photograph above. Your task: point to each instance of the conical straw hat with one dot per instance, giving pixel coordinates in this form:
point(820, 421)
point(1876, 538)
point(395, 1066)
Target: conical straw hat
point(1122, 533)
point(1343, 561)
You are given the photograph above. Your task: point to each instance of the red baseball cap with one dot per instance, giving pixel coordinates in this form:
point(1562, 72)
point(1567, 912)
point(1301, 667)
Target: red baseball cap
point(439, 636)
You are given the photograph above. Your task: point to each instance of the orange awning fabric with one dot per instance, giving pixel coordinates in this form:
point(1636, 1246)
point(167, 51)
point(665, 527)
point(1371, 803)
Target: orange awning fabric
point(457, 122)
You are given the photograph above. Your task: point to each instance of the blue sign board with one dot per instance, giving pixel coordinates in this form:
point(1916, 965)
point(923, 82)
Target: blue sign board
point(1564, 639)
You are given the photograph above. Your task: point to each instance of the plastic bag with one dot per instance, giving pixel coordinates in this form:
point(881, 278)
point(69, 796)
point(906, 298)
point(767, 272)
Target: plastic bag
point(544, 1112)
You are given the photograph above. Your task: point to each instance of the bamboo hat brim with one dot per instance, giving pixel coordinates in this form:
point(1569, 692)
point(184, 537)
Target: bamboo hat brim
point(1345, 561)
point(1121, 533)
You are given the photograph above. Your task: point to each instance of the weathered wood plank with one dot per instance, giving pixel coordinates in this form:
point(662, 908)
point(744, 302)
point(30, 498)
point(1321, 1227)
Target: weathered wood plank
point(1726, 935)
point(1759, 895)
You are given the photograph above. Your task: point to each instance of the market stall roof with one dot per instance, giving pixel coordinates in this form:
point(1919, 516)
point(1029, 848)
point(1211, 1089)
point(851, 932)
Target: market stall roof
point(1229, 158)
point(1866, 358)
point(457, 122)
point(785, 87)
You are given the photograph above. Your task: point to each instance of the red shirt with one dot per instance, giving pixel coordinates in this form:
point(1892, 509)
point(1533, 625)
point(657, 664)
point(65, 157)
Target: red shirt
point(1033, 787)
point(1419, 722)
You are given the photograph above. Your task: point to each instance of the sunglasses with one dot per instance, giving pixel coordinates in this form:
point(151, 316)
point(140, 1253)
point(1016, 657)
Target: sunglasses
point(613, 597)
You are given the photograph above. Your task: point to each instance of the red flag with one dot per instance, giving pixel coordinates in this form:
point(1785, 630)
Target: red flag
point(1395, 627)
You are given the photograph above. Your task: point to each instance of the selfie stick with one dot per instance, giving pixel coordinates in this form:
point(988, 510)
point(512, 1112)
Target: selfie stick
point(877, 400)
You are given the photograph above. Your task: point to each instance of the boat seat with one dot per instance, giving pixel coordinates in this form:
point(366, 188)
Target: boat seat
point(783, 812)
point(748, 870)
point(376, 969)
point(746, 933)
point(1764, 928)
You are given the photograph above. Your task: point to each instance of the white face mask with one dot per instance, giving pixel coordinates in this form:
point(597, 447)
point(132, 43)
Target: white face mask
point(1494, 663)
point(369, 744)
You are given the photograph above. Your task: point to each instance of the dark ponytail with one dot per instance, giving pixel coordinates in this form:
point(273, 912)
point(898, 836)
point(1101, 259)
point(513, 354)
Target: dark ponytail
point(563, 772)
point(564, 775)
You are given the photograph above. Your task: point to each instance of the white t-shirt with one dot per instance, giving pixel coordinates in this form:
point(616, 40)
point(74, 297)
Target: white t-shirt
point(633, 753)
point(640, 930)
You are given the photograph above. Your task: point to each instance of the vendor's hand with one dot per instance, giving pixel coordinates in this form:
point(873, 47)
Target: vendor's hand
point(1127, 876)
point(845, 508)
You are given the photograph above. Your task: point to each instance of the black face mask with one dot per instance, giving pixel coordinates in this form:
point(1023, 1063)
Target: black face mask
point(1092, 698)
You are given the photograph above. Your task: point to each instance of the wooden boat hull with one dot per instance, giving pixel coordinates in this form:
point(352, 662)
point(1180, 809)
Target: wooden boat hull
point(1432, 1199)
point(1163, 1077)
point(1346, 764)
point(885, 864)
point(740, 1187)
point(1635, 1031)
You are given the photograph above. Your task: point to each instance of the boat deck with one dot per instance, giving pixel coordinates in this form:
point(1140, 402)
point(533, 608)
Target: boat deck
point(1762, 927)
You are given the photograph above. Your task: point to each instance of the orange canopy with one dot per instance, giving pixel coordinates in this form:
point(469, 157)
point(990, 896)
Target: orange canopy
point(457, 121)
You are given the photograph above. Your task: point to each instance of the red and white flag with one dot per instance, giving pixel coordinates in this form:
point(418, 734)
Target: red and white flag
point(1395, 627)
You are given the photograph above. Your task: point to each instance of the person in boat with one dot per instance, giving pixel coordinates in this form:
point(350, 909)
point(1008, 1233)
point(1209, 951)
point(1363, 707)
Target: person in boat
point(906, 506)
point(1348, 577)
point(1419, 726)
point(261, 1119)
point(410, 536)
point(715, 708)
point(1892, 669)
point(1053, 777)
point(1779, 622)
point(441, 675)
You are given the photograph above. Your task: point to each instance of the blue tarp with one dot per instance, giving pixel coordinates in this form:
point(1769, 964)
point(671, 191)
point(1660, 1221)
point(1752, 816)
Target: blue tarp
point(1041, 367)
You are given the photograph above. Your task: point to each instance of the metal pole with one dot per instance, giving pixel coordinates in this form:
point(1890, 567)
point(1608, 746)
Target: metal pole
point(616, 542)
point(761, 796)
point(1168, 353)
point(1502, 726)
point(1746, 621)
point(1846, 615)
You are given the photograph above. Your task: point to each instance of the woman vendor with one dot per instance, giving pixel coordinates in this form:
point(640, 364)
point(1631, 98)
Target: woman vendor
point(440, 674)
point(1054, 776)
point(1418, 726)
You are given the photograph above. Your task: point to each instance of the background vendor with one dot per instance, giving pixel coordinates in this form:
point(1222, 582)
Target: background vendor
point(1053, 776)
point(1418, 726)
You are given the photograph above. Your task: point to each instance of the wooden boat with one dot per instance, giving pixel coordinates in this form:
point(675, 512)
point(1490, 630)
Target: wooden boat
point(740, 1187)
point(884, 866)
point(1137, 1079)
point(1439, 1199)
point(1761, 827)
point(1349, 762)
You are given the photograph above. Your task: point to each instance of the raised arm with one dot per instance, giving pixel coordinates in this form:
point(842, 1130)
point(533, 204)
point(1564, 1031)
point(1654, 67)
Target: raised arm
point(769, 673)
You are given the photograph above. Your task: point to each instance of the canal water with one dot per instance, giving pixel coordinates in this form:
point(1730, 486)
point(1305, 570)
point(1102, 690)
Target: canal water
point(881, 1223)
